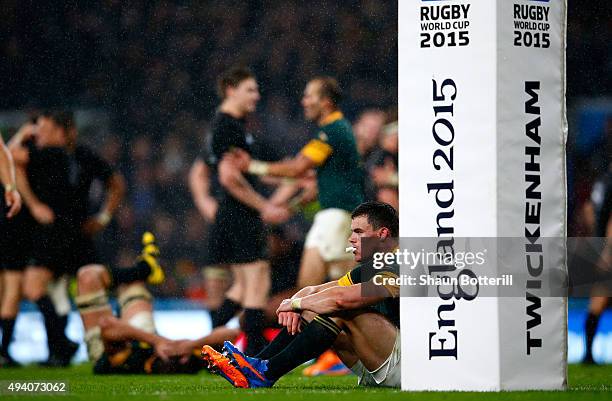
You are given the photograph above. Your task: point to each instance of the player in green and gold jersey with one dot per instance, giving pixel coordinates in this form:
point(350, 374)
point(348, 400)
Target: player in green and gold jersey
point(332, 151)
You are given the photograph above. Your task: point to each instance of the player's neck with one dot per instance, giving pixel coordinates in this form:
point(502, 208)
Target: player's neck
point(231, 108)
point(328, 116)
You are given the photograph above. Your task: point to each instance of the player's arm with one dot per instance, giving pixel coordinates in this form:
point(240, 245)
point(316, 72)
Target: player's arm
point(115, 189)
point(234, 182)
point(114, 329)
point(7, 176)
point(115, 192)
point(199, 185)
point(7, 167)
point(41, 212)
point(313, 289)
point(346, 294)
point(216, 337)
point(285, 191)
point(312, 155)
point(295, 167)
point(336, 299)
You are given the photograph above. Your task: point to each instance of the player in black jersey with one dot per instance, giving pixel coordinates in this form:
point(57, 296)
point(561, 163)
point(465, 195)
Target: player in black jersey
point(598, 211)
point(85, 167)
point(60, 180)
point(42, 170)
point(206, 193)
point(10, 280)
point(358, 315)
point(237, 237)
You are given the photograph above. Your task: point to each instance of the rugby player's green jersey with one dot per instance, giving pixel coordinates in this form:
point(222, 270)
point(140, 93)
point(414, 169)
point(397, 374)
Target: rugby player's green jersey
point(340, 175)
point(364, 273)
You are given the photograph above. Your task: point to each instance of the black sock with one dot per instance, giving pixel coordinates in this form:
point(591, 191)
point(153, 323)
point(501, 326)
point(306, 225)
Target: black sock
point(315, 338)
point(254, 324)
point(8, 327)
point(53, 323)
point(590, 328)
point(280, 342)
point(224, 313)
point(125, 275)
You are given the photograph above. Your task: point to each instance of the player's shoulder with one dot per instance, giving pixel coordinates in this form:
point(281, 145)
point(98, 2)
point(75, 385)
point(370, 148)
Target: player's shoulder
point(222, 119)
point(338, 129)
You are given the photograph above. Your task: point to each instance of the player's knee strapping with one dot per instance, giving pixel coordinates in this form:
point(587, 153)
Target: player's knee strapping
point(142, 319)
point(90, 303)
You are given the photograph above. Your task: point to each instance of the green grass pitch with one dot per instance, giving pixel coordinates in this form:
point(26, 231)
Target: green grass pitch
point(585, 383)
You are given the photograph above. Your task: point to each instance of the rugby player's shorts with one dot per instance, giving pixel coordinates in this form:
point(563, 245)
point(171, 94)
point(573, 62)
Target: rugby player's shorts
point(62, 248)
point(388, 374)
point(329, 234)
point(16, 240)
point(237, 236)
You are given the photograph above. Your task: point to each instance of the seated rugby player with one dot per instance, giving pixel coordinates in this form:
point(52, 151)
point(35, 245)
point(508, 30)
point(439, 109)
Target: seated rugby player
point(357, 315)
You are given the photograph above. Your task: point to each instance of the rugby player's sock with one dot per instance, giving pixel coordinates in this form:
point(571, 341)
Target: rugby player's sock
point(52, 344)
point(254, 324)
point(224, 313)
point(125, 275)
point(280, 342)
point(8, 327)
point(590, 328)
point(53, 324)
point(315, 338)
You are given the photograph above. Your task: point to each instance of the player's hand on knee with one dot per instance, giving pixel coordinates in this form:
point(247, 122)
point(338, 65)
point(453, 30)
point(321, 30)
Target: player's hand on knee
point(285, 306)
point(294, 321)
point(290, 320)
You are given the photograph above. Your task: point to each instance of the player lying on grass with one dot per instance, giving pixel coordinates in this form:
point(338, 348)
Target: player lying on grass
point(129, 344)
point(354, 315)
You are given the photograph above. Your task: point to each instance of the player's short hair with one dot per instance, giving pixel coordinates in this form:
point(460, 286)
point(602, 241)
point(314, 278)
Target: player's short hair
point(330, 89)
point(62, 118)
point(379, 215)
point(232, 78)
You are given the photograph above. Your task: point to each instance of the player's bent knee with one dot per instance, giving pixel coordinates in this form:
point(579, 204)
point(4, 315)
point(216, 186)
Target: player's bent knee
point(144, 321)
point(132, 294)
point(90, 277)
point(34, 292)
point(92, 302)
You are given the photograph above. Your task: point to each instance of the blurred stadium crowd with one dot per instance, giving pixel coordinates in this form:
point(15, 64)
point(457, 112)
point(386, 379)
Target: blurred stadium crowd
point(151, 67)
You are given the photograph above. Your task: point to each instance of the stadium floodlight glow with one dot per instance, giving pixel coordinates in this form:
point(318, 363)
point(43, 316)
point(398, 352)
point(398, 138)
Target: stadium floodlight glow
point(482, 144)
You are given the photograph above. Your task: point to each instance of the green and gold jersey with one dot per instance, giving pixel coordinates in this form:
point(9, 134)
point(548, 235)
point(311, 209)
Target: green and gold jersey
point(340, 175)
point(365, 273)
